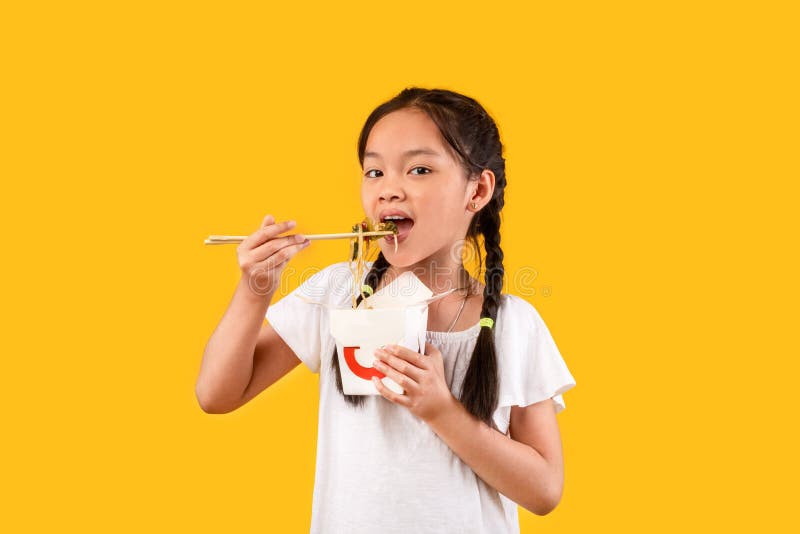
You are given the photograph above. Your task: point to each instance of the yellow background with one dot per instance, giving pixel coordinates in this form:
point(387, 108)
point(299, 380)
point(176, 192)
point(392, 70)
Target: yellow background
point(652, 158)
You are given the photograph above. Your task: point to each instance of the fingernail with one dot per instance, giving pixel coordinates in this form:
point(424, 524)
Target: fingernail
point(291, 224)
point(308, 242)
point(299, 238)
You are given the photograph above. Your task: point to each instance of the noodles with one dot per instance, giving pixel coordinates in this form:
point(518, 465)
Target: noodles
point(360, 247)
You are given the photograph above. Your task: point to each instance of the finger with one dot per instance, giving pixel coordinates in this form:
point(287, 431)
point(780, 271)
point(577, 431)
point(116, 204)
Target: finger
point(402, 380)
point(412, 357)
point(284, 255)
point(389, 394)
point(265, 233)
point(269, 219)
point(398, 364)
point(272, 246)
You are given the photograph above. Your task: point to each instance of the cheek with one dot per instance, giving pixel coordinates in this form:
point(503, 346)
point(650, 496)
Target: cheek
point(442, 217)
point(367, 196)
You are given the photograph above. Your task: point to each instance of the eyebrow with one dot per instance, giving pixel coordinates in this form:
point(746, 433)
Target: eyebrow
point(408, 153)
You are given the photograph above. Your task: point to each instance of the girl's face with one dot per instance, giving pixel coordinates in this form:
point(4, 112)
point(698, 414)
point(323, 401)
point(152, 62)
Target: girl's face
point(410, 171)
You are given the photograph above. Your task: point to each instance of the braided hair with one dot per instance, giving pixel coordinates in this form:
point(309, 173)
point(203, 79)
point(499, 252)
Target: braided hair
point(473, 135)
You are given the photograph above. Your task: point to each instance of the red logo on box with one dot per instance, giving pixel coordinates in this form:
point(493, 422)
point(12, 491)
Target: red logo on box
point(359, 370)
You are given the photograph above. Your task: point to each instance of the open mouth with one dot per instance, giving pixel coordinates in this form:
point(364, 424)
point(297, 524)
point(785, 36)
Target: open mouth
point(404, 225)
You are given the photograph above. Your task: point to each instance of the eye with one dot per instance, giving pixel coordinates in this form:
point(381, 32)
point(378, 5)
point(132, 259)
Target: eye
point(427, 171)
point(368, 175)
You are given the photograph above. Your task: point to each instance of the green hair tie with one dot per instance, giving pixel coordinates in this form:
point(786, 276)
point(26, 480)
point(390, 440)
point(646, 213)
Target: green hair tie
point(487, 321)
point(366, 289)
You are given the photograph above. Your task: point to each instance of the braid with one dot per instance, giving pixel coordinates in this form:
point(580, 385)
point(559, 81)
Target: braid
point(479, 392)
point(490, 227)
point(372, 279)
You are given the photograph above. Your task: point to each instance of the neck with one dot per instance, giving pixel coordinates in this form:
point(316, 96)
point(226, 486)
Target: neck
point(440, 272)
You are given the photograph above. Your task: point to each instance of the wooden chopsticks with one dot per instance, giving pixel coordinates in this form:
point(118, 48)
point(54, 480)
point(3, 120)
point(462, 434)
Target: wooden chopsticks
point(227, 239)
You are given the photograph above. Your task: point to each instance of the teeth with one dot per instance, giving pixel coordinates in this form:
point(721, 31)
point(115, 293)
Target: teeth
point(393, 218)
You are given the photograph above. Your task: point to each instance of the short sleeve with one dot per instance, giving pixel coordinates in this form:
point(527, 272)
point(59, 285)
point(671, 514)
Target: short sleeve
point(530, 366)
point(302, 324)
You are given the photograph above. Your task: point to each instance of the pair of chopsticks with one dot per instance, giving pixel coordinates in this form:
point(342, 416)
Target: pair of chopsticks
point(226, 239)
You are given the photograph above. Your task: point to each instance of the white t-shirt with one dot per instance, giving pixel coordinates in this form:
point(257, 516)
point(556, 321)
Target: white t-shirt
point(380, 469)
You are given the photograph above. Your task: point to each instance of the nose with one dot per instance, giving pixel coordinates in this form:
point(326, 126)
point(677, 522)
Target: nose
point(391, 189)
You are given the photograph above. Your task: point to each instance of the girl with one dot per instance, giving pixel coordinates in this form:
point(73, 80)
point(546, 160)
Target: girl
point(475, 432)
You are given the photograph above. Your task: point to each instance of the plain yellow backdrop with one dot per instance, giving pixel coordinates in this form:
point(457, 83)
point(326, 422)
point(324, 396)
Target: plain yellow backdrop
point(652, 160)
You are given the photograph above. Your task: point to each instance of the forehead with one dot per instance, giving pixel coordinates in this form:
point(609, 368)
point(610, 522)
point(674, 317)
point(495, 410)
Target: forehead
point(402, 130)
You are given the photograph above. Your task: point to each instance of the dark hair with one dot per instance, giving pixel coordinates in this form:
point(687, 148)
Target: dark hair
point(473, 135)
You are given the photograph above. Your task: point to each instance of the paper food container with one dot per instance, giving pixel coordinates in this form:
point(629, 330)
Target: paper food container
point(398, 315)
point(359, 332)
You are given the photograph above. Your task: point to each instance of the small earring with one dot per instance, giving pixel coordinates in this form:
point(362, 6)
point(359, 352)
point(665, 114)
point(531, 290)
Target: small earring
point(474, 206)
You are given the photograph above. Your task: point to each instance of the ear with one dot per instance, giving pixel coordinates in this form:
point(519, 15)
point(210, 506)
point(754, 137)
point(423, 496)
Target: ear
point(482, 190)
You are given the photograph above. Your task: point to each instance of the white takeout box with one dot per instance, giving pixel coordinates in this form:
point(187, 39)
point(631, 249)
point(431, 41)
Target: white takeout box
point(399, 315)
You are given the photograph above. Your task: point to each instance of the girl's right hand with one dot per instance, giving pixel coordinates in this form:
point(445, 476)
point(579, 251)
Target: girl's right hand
point(264, 254)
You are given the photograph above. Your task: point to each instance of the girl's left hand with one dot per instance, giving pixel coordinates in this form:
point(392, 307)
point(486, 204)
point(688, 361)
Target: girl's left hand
point(420, 375)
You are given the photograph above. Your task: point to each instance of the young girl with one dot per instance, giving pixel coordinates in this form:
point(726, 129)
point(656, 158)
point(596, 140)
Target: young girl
point(475, 432)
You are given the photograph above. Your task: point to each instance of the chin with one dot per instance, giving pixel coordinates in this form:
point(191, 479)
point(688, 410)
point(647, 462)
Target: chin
point(403, 257)
point(400, 259)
